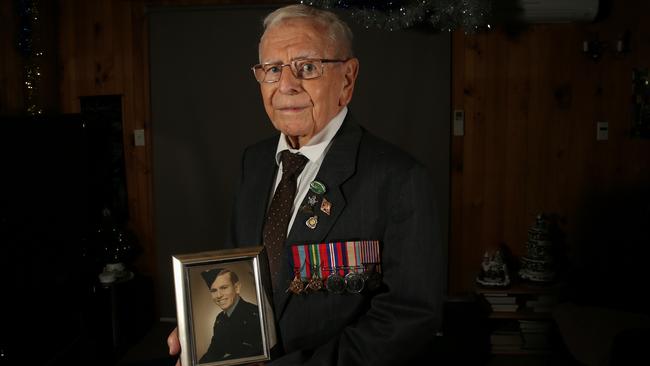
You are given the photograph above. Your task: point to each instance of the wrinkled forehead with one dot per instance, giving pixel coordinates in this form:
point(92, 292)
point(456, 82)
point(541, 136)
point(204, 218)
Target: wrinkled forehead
point(297, 34)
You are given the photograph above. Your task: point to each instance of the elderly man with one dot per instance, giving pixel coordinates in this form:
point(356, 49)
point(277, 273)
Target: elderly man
point(236, 332)
point(337, 209)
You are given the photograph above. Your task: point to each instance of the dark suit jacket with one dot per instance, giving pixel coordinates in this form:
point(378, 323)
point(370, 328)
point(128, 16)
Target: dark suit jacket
point(377, 192)
point(236, 336)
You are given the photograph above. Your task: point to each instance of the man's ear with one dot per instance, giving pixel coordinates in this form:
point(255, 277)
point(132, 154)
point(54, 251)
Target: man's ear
point(237, 287)
point(350, 77)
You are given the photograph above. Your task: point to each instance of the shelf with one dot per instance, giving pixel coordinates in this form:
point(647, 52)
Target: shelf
point(519, 314)
point(522, 351)
point(523, 288)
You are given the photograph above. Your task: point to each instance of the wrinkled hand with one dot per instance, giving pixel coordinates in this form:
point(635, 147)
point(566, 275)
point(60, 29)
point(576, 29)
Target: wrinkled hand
point(174, 345)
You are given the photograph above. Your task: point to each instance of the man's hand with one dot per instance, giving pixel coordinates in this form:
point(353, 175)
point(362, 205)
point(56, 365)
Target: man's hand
point(174, 345)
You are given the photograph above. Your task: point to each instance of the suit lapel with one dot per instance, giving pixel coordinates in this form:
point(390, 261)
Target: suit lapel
point(339, 164)
point(337, 167)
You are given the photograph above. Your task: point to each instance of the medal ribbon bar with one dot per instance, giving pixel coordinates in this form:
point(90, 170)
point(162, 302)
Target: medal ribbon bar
point(343, 257)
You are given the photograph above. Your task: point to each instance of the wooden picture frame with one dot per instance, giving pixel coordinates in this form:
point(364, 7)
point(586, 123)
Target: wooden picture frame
point(223, 319)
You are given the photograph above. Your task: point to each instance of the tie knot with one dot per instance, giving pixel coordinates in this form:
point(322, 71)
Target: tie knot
point(292, 164)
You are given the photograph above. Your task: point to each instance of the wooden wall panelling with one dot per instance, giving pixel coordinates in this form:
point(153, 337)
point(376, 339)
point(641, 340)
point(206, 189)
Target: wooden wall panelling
point(456, 224)
point(68, 50)
point(518, 106)
point(474, 188)
point(137, 104)
point(103, 48)
point(92, 59)
point(11, 65)
point(458, 227)
point(532, 100)
point(103, 51)
point(536, 177)
point(495, 134)
point(471, 198)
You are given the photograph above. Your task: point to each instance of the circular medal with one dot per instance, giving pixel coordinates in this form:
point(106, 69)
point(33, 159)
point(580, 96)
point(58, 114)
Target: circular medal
point(335, 283)
point(315, 283)
point(354, 282)
point(372, 280)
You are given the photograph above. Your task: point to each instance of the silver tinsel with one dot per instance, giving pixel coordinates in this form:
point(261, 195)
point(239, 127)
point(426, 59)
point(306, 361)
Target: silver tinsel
point(471, 15)
point(444, 15)
point(28, 43)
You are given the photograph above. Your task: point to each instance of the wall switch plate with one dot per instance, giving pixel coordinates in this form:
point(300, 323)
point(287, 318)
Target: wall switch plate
point(602, 131)
point(459, 122)
point(138, 137)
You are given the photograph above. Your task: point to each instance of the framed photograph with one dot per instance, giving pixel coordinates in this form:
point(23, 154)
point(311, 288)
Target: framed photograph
point(225, 316)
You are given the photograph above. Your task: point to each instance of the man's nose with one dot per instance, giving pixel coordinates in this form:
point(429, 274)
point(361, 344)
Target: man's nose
point(289, 83)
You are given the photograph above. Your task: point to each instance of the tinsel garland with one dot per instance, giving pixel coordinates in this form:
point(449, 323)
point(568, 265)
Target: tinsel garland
point(28, 46)
point(444, 15)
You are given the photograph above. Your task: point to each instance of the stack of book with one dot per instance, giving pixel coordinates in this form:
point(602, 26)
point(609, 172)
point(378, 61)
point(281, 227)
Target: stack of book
point(542, 303)
point(506, 338)
point(536, 334)
point(501, 302)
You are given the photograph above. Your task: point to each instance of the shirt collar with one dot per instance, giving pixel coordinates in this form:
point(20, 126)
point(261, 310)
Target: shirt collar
point(316, 146)
point(232, 308)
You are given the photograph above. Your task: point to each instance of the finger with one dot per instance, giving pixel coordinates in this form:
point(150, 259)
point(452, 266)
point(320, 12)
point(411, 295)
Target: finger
point(173, 343)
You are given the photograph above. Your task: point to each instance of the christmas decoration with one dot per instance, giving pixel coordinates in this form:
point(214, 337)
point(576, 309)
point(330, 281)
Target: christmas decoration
point(494, 268)
point(444, 15)
point(539, 265)
point(471, 15)
point(28, 45)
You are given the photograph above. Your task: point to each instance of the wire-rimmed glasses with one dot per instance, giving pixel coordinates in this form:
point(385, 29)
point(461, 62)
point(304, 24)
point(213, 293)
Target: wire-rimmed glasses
point(305, 68)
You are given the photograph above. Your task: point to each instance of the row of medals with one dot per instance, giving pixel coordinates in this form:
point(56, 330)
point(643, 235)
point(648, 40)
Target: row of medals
point(353, 282)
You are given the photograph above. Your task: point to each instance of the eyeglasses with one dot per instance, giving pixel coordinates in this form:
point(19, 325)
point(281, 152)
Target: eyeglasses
point(304, 69)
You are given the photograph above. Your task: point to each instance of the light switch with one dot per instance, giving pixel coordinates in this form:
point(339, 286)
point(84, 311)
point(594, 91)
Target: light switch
point(602, 131)
point(138, 137)
point(459, 122)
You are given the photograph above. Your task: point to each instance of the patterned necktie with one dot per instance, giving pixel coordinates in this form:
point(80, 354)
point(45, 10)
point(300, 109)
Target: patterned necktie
point(279, 214)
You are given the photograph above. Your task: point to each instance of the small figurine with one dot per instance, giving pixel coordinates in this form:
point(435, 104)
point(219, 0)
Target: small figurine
point(494, 270)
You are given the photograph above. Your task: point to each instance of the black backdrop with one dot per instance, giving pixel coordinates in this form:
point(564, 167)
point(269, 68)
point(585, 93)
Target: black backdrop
point(206, 108)
point(58, 173)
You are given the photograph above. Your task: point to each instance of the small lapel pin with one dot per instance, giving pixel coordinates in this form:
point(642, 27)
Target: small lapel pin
point(317, 187)
point(312, 200)
point(326, 206)
point(312, 222)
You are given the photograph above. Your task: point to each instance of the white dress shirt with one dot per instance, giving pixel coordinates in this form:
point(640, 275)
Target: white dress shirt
point(315, 151)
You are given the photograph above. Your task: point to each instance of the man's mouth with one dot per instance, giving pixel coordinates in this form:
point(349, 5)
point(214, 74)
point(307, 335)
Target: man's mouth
point(291, 109)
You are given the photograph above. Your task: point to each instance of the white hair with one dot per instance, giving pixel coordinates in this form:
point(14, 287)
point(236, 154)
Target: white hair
point(337, 30)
